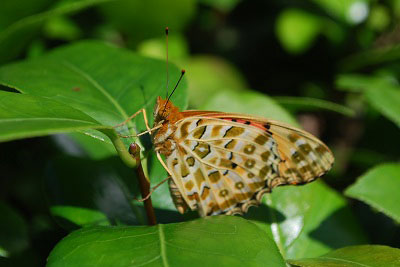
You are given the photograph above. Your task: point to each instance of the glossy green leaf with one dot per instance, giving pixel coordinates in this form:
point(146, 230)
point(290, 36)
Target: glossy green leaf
point(79, 216)
point(379, 188)
point(297, 29)
point(249, 102)
point(213, 241)
point(13, 231)
point(387, 101)
point(307, 103)
point(83, 145)
point(24, 116)
point(221, 76)
point(307, 221)
point(366, 255)
point(109, 88)
point(14, 38)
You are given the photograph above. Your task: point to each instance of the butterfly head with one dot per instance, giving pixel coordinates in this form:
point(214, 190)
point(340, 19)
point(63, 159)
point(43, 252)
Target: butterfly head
point(165, 112)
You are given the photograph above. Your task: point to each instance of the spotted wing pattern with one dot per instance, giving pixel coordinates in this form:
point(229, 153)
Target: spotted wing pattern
point(225, 165)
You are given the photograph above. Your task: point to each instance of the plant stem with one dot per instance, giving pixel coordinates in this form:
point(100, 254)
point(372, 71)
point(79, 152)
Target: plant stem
point(144, 184)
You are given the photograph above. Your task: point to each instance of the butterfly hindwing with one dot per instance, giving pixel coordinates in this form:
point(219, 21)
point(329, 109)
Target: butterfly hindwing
point(226, 164)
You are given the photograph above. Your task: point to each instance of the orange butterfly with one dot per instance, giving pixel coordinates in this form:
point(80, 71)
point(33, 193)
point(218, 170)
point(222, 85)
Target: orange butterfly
point(223, 163)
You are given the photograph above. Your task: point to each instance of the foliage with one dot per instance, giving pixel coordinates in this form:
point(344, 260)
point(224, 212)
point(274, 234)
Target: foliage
point(72, 70)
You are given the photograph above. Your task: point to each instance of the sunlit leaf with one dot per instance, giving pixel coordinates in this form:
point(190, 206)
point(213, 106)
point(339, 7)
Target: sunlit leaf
point(366, 255)
point(213, 241)
point(378, 188)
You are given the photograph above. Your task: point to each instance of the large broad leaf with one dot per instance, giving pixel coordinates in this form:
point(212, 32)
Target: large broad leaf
point(107, 83)
point(379, 188)
point(307, 221)
point(103, 81)
point(366, 255)
point(26, 116)
point(213, 241)
point(16, 36)
point(249, 102)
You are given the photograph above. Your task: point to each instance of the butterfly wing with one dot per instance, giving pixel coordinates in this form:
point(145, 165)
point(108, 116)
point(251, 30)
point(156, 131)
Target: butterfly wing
point(224, 163)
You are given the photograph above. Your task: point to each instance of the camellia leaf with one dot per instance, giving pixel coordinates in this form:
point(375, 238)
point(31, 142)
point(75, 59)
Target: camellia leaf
point(307, 221)
point(365, 255)
point(212, 241)
point(108, 88)
point(379, 188)
point(26, 116)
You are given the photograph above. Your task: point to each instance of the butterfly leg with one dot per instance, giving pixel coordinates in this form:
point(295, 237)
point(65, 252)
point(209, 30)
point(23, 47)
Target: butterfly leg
point(153, 189)
point(146, 122)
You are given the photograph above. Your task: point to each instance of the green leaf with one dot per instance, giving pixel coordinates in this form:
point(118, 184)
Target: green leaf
point(79, 216)
point(307, 103)
point(297, 29)
point(213, 241)
point(307, 221)
point(109, 88)
point(178, 49)
point(379, 188)
point(24, 116)
point(366, 255)
point(381, 92)
point(387, 101)
point(83, 145)
point(13, 231)
point(249, 102)
point(16, 36)
point(221, 76)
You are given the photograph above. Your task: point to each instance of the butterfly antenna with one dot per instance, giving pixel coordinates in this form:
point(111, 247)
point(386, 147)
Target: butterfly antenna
point(176, 86)
point(166, 40)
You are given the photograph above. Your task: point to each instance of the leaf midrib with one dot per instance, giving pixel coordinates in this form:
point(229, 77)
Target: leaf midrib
point(45, 119)
point(162, 245)
point(100, 88)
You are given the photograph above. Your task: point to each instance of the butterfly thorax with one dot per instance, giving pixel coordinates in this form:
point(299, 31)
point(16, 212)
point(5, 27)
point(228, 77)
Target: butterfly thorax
point(166, 115)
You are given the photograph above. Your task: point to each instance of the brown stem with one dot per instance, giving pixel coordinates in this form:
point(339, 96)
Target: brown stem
point(144, 184)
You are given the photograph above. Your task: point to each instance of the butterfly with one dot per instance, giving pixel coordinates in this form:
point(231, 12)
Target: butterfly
point(223, 163)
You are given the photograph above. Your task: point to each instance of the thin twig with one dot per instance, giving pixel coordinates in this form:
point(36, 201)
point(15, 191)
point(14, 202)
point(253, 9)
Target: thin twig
point(144, 184)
